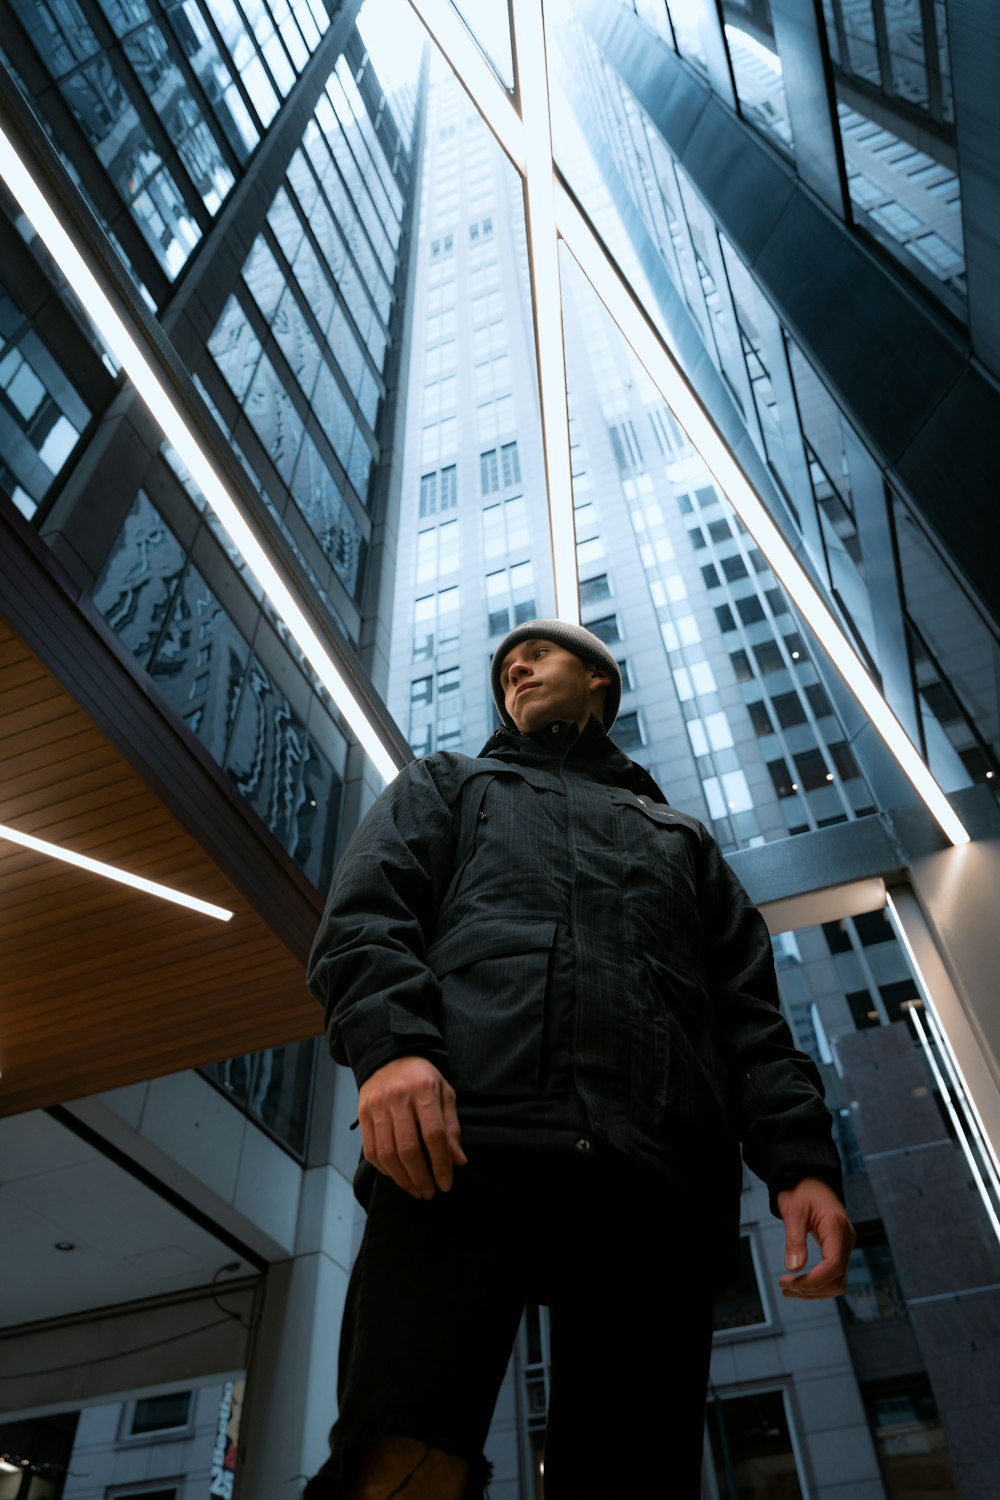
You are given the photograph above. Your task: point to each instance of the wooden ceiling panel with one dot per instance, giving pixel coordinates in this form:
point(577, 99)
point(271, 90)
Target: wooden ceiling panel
point(102, 985)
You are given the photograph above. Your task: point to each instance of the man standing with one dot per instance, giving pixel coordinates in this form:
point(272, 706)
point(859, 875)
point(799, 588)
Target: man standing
point(561, 1011)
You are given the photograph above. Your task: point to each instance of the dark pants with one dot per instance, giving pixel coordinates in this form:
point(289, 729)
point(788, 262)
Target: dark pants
point(437, 1293)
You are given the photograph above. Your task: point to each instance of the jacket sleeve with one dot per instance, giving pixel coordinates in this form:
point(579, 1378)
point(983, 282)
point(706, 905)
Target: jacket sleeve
point(784, 1125)
point(368, 962)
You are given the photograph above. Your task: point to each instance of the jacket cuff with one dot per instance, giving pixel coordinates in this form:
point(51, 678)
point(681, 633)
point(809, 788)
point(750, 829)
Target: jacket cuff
point(790, 1176)
point(392, 1047)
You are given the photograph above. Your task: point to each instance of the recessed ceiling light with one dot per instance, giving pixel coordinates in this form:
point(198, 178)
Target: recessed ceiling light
point(111, 872)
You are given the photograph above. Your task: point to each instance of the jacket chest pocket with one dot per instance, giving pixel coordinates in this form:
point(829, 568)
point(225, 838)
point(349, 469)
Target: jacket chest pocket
point(659, 850)
point(494, 977)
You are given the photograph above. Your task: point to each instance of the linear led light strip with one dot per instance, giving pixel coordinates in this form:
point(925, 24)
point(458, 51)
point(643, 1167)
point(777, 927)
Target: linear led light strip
point(963, 1139)
point(111, 872)
point(168, 415)
point(543, 252)
point(593, 258)
point(963, 1094)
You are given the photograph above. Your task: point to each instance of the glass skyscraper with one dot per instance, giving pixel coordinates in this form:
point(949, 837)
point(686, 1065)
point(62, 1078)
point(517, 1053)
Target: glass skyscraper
point(336, 288)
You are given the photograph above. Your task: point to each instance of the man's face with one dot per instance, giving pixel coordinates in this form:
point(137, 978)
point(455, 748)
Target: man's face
point(543, 683)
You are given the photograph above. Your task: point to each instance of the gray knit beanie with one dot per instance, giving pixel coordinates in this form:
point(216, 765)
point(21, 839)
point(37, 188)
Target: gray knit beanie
point(589, 648)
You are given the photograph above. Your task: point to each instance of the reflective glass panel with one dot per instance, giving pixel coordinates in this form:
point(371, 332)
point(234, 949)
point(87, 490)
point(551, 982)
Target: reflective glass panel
point(757, 68)
point(200, 663)
point(902, 173)
point(274, 1088)
point(215, 78)
point(135, 592)
point(41, 412)
point(689, 19)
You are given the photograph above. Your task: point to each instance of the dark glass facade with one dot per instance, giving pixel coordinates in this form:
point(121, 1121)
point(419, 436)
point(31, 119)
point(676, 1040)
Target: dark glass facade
point(246, 166)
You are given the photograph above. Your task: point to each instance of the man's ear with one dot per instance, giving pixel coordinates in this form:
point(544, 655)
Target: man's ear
point(599, 678)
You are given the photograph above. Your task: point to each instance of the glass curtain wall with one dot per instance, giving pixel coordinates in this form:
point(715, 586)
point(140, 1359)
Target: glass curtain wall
point(809, 445)
point(159, 113)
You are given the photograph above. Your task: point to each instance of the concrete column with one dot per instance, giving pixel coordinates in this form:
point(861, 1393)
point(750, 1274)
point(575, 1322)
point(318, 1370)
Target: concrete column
point(292, 1377)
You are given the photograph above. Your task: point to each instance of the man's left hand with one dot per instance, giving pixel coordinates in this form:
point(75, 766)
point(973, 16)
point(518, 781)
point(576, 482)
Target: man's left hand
point(812, 1207)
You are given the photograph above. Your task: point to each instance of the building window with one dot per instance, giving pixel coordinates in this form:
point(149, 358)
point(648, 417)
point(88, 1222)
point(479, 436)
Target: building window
point(710, 733)
point(710, 576)
point(898, 998)
point(681, 632)
point(669, 438)
point(818, 701)
point(449, 732)
point(741, 666)
point(428, 494)
point(811, 770)
point(862, 1008)
point(448, 622)
point(606, 629)
point(498, 602)
point(42, 407)
point(627, 731)
point(590, 550)
point(437, 551)
point(155, 1414)
point(907, 1430)
point(505, 527)
point(420, 739)
point(788, 709)
point(510, 591)
point(511, 464)
point(759, 719)
point(873, 1293)
point(874, 927)
point(838, 938)
point(728, 793)
point(734, 567)
point(489, 473)
point(593, 589)
point(625, 443)
point(781, 776)
point(750, 610)
point(847, 766)
point(449, 488)
point(752, 1448)
point(769, 658)
point(424, 612)
point(421, 691)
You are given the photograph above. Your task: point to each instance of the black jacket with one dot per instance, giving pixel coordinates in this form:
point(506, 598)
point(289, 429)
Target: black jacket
point(578, 960)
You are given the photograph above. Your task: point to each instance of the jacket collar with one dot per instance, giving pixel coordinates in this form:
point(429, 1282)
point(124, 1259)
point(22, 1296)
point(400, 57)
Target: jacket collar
point(563, 746)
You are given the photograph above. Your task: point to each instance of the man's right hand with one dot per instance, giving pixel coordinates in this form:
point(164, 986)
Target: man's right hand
point(405, 1106)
